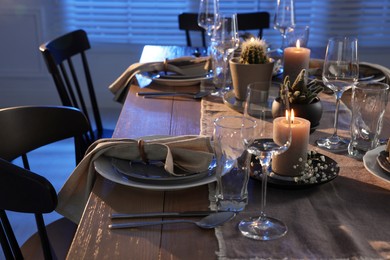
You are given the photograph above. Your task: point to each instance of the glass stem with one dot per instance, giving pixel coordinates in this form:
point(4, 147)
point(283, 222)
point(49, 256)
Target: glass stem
point(283, 41)
point(225, 71)
point(283, 33)
point(263, 191)
point(338, 95)
point(265, 161)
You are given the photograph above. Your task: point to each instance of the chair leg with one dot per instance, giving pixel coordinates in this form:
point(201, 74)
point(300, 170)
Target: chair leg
point(47, 252)
point(4, 243)
point(9, 243)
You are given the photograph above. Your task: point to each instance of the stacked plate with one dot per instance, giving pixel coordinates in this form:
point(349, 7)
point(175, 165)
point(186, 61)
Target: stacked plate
point(149, 176)
point(376, 163)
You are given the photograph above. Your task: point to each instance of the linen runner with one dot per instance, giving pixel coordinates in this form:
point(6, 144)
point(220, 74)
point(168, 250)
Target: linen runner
point(345, 218)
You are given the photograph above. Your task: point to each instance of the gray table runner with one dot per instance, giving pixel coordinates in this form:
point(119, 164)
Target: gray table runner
point(348, 217)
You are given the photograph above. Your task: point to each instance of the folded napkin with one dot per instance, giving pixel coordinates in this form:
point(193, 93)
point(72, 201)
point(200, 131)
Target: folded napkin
point(187, 66)
point(190, 153)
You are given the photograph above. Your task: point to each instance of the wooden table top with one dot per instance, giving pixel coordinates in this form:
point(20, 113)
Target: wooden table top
point(94, 240)
point(144, 117)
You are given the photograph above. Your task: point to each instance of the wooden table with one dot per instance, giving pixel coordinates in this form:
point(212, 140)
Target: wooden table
point(93, 239)
point(143, 117)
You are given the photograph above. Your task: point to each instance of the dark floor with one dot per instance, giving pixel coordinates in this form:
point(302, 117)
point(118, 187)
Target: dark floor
point(55, 162)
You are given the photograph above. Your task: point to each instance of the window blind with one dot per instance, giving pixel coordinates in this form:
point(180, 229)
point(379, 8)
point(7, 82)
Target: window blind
point(156, 22)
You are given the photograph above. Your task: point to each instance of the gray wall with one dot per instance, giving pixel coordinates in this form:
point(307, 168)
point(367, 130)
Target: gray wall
point(24, 79)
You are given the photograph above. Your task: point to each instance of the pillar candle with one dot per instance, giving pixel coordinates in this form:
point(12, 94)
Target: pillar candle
point(295, 59)
point(292, 161)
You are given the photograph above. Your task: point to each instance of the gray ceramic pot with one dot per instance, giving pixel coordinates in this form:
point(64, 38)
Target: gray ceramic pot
point(243, 74)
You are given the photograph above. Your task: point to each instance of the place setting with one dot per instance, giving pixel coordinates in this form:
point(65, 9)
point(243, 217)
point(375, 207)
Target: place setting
point(191, 71)
point(182, 71)
point(159, 163)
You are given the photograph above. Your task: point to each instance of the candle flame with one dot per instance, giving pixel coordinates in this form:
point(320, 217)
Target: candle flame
point(291, 117)
point(252, 39)
point(298, 44)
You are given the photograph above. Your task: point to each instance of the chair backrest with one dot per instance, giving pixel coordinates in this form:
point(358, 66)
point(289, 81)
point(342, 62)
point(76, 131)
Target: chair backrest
point(60, 56)
point(189, 22)
point(25, 129)
point(253, 21)
point(246, 21)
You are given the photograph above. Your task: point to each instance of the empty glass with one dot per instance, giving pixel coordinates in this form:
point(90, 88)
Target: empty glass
point(225, 40)
point(296, 33)
point(284, 18)
point(233, 162)
point(208, 15)
point(263, 144)
point(369, 102)
point(340, 73)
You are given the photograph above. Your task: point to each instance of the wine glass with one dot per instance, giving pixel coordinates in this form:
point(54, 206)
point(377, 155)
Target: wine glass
point(208, 15)
point(284, 19)
point(263, 144)
point(340, 73)
point(225, 40)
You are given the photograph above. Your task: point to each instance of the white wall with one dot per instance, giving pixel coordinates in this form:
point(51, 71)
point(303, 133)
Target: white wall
point(24, 79)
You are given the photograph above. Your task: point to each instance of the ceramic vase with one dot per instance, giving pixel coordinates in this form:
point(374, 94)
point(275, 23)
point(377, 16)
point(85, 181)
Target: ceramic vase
point(243, 74)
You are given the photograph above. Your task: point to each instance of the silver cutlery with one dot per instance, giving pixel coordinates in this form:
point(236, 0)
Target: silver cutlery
point(195, 95)
point(162, 214)
point(210, 221)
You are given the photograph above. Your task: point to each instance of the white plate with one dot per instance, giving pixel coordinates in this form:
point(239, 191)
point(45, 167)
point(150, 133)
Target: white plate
point(104, 167)
point(371, 164)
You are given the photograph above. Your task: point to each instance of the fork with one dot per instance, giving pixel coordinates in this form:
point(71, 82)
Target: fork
point(195, 95)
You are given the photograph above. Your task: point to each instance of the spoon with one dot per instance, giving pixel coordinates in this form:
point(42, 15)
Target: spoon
point(196, 95)
point(208, 222)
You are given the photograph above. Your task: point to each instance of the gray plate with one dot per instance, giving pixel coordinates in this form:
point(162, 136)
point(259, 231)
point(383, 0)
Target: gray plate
point(154, 173)
point(103, 165)
point(383, 162)
point(370, 160)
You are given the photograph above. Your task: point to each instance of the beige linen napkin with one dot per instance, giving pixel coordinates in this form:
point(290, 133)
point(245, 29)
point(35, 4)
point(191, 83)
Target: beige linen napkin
point(191, 153)
point(188, 66)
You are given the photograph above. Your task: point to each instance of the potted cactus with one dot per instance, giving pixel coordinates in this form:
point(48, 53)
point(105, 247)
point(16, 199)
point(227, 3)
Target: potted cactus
point(253, 65)
point(303, 98)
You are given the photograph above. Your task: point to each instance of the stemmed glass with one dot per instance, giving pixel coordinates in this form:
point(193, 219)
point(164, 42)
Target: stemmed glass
point(264, 143)
point(225, 40)
point(208, 15)
point(340, 73)
point(284, 18)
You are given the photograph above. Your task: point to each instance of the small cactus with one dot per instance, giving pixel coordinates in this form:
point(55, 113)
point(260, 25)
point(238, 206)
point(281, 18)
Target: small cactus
point(302, 91)
point(254, 51)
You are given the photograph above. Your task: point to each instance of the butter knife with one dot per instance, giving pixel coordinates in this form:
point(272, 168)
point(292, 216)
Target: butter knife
point(162, 214)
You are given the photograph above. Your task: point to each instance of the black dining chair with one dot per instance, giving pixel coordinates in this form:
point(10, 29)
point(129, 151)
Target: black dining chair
point(189, 22)
point(24, 129)
point(60, 56)
point(254, 21)
point(246, 22)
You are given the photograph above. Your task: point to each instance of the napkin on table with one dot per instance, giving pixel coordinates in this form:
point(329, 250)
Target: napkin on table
point(191, 153)
point(190, 66)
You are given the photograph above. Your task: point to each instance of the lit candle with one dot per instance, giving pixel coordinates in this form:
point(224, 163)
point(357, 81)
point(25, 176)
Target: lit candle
point(295, 59)
point(291, 162)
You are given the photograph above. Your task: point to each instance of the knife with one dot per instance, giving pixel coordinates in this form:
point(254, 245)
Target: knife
point(162, 214)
